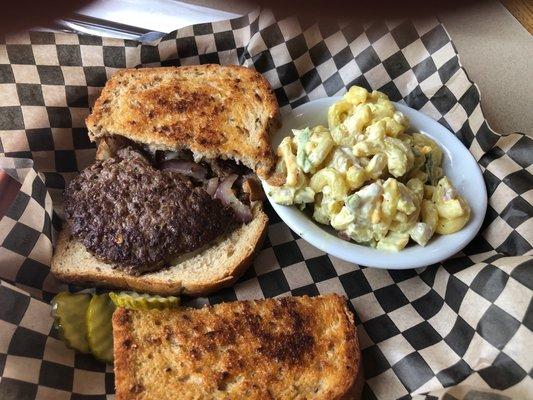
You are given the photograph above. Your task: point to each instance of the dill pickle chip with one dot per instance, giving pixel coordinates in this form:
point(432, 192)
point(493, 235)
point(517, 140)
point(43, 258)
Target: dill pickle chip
point(99, 328)
point(69, 315)
point(137, 301)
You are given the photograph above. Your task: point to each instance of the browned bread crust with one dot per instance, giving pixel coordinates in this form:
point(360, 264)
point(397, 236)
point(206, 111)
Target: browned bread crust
point(288, 348)
point(212, 110)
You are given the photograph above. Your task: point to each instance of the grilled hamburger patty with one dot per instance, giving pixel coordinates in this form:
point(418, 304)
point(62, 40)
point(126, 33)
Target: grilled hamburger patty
point(127, 212)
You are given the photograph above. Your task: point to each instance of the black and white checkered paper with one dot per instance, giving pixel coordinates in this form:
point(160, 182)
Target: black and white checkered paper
point(452, 330)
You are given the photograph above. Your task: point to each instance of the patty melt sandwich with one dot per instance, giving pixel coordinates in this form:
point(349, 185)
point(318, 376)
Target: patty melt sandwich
point(172, 203)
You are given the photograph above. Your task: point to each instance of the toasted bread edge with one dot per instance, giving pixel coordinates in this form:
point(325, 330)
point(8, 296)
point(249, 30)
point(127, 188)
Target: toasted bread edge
point(121, 336)
point(354, 384)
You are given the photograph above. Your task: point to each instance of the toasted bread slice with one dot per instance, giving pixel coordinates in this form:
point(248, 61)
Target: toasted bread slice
point(213, 267)
point(288, 348)
point(212, 110)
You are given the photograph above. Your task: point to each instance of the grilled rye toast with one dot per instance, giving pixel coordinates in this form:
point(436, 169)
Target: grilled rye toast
point(288, 348)
point(209, 109)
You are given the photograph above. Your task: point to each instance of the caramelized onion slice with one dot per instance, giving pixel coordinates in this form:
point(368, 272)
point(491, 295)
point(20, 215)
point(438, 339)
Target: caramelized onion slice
point(188, 168)
point(226, 195)
point(211, 187)
point(254, 189)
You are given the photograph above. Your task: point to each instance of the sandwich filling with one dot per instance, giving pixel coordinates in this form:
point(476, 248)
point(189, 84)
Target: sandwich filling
point(138, 209)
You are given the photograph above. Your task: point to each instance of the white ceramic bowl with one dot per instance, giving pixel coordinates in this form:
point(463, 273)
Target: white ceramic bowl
point(458, 165)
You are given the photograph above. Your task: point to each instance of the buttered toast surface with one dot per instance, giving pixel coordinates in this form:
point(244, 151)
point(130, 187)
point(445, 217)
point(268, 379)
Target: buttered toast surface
point(208, 109)
point(293, 347)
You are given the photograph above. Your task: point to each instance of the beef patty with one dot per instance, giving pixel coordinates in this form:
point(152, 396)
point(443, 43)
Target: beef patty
point(130, 214)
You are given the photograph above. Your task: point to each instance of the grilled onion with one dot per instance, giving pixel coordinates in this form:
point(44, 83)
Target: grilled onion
point(212, 185)
point(188, 168)
point(226, 195)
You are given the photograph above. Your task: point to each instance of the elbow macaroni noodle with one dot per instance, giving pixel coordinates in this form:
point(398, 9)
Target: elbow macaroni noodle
point(368, 178)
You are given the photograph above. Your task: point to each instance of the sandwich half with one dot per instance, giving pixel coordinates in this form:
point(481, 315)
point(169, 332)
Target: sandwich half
point(288, 348)
point(172, 203)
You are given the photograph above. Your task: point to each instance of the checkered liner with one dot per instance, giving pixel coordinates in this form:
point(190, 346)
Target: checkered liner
point(452, 329)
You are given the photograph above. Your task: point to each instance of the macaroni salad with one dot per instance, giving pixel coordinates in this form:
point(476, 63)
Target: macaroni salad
point(368, 178)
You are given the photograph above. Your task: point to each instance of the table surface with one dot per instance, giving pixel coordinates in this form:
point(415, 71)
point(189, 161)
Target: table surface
point(522, 11)
point(497, 53)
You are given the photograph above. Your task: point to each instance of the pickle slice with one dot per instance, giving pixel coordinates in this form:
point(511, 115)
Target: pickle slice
point(143, 301)
point(99, 328)
point(69, 314)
